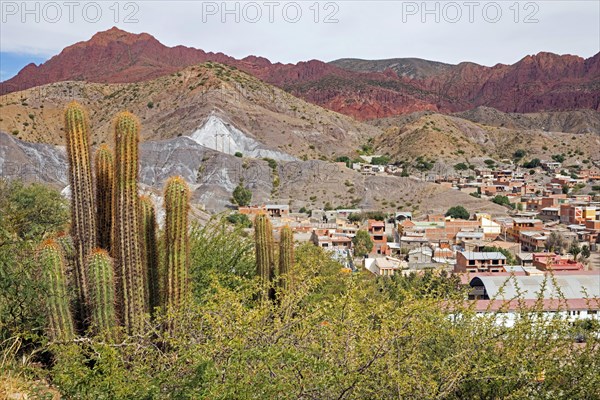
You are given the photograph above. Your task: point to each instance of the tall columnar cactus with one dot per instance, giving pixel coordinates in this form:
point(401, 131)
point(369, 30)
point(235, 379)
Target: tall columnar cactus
point(126, 244)
point(83, 219)
point(105, 176)
point(103, 317)
point(176, 286)
point(151, 260)
point(265, 257)
point(60, 322)
point(286, 255)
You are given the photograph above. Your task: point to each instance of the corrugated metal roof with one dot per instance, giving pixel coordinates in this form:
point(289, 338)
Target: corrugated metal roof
point(529, 287)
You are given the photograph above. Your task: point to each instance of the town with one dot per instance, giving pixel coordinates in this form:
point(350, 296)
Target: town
point(550, 233)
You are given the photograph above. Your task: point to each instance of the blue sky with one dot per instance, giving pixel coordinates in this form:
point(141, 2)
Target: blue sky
point(486, 33)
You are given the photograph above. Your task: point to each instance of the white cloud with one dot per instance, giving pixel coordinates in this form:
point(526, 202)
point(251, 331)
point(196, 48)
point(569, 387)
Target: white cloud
point(364, 29)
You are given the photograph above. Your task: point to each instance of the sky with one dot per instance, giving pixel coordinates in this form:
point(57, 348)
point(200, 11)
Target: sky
point(485, 32)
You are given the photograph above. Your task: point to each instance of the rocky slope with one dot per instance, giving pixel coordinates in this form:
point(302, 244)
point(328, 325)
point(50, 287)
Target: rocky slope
point(220, 107)
point(360, 88)
point(449, 140)
point(213, 175)
point(580, 121)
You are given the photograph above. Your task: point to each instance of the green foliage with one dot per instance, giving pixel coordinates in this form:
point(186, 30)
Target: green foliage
point(502, 200)
point(241, 195)
point(510, 259)
point(238, 154)
point(239, 219)
point(382, 160)
point(458, 212)
point(461, 167)
point(28, 214)
point(490, 163)
point(596, 188)
point(556, 242)
point(362, 243)
point(219, 249)
point(363, 216)
point(517, 155)
point(558, 158)
point(422, 164)
point(534, 163)
point(272, 163)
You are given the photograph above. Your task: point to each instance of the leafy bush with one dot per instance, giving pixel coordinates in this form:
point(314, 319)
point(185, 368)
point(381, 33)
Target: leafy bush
point(461, 167)
point(458, 212)
point(362, 243)
point(502, 200)
point(533, 163)
point(241, 195)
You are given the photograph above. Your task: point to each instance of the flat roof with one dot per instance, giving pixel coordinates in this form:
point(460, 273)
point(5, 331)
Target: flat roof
point(480, 255)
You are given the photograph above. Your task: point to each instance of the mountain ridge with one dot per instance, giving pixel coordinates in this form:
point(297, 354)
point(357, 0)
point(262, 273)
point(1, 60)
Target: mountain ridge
point(542, 82)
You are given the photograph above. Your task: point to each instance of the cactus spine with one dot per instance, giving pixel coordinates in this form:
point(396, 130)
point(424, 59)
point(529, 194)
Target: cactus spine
point(286, 255)
point(126, 246)
point(104, 191)
point(102, 292)
point(60, 321)
point(151, 260)
point(265, 257)
point(176, 285)
point(83, 221)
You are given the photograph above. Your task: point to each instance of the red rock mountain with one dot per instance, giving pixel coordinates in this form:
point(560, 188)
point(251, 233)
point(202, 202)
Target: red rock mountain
point(360, 88)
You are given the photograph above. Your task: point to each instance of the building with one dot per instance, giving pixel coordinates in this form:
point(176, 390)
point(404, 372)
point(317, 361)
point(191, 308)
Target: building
point(376, 230)
point(330, 239)
point(571, 296)
point(523, 224)
point(384, 266)
point(555, 262)
point(469, 261)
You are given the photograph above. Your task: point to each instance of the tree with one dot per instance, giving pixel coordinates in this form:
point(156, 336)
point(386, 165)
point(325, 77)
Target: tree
point(362, 243)
point(565, 189)
point(517, 155)
point(238, 154)
point(383, 160)
point(534, 163)
point(575, 249)
point(241, 195)
point(458, 212)
point(240, 219)
point(555, 242)
point(461, 167)
point(585, 252)
point(502, 200)
point(510, 259)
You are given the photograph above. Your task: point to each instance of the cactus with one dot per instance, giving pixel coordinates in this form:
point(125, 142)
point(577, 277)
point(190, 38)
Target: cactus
point(151, 260)
point(60, 322)
point(176, 285)
point(102, 293)
point(265, 257)
point(83, 221)
point(104, 190)
point(286, 255)
point(126, 244)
